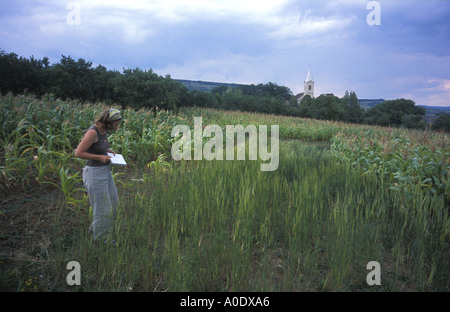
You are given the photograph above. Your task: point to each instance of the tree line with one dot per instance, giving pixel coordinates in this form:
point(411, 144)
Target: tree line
point(137, 88)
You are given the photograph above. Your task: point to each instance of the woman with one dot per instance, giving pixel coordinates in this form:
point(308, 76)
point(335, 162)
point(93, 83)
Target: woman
point(97, 176)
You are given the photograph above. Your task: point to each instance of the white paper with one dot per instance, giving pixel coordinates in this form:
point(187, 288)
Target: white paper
point(117, 159)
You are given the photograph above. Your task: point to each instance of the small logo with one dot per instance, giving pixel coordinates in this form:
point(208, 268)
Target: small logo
point(74, 276)
point(74, 16)
point(374, 16)
point(374, 276)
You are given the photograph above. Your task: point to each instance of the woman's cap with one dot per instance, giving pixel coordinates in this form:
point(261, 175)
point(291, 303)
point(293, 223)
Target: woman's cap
point(114, 114)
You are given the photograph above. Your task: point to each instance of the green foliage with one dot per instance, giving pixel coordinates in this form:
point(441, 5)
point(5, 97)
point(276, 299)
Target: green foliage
point(267, 90)
point(72, 79)
point(78, 80)
point(18, 74)
point(395, 113)
point(414, 122)
point(38, 139)
point(160, 164)
point(326, 107)
point(68, 185)
point(442, 123)
point(398, 162)
point(352, 110)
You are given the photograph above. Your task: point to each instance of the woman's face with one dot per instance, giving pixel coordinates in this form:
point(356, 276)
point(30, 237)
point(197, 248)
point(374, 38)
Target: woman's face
point(116, 124)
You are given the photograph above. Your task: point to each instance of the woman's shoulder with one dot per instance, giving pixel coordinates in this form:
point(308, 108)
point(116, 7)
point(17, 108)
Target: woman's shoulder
point(91, 131)
point(91, 136)
point(92, 128)
point(97, 129)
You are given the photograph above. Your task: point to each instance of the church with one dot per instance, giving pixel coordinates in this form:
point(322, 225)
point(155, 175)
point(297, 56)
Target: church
point(308, 88)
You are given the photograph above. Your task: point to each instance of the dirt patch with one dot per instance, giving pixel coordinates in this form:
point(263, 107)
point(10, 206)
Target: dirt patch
point(26, 216)
point(26, 222)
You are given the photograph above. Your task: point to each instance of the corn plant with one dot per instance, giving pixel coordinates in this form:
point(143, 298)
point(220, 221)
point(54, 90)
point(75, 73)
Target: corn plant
point(68, 185)
point(160, 164)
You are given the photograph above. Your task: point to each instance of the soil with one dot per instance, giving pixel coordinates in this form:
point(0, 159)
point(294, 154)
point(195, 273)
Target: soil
point(27, 219)
point(26, 216)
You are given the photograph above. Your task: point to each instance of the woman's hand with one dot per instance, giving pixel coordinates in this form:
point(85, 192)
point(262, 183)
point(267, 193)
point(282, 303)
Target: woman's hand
point(104, 158)
point(111, 151)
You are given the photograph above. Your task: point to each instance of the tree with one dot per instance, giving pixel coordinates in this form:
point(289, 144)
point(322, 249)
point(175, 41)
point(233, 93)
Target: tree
point(72, 79)
point(442, 123)
point(219, 90)
point(393, 113)
point(414, 122)
point(138, 88)
point(305, 107)
point(103, 88)
point(18, 75)
point(327, 107)
point(267, 90)
point(352, 110)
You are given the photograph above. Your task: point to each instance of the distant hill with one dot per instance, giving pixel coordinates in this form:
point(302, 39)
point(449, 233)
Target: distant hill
point(431, 112)
point(434, 110)
point(205, 85)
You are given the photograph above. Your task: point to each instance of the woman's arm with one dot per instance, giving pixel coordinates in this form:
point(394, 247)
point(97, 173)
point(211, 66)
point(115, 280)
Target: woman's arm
point(81, 151)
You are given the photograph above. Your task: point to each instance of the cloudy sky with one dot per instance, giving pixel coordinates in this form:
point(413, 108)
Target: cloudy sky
point(379, 49)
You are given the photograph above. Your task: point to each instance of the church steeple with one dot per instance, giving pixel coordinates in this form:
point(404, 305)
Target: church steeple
point(308, 88)
point(309, 85)
point(309, 76)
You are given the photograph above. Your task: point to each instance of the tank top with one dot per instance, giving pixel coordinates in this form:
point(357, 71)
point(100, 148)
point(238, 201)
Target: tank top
point(98, 148)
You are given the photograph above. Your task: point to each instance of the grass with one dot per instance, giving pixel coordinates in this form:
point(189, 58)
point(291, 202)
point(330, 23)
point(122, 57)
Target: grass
point(360, 194)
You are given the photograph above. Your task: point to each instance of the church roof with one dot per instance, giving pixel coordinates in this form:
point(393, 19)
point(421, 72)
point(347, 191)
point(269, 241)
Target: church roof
point(300, 95)
point(309, 76)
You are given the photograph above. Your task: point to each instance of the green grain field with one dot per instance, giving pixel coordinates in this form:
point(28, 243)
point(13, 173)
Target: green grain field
point(342, 196)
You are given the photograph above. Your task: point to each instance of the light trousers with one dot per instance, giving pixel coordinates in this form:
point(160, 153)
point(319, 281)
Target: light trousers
point(103, 198)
